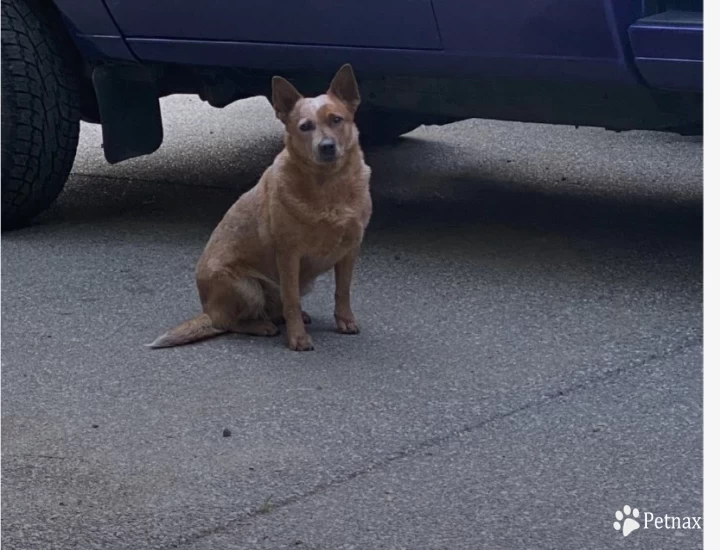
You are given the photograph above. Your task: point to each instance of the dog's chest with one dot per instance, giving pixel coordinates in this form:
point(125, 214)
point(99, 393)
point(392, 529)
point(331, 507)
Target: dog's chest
point(335, 233)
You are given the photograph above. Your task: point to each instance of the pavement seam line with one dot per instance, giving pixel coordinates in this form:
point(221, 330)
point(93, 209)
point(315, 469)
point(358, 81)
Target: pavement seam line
point(591, 382)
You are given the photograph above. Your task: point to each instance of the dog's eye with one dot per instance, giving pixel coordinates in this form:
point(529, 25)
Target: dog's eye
point(306, 126)
point(335, 120)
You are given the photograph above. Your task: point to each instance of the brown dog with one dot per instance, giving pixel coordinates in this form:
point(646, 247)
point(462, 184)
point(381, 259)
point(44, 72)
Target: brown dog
point(306, 215)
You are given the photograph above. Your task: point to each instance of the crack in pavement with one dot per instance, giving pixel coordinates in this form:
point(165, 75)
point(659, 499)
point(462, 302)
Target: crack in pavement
point(590, 382)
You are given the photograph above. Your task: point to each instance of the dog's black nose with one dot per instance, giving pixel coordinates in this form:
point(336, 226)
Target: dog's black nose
point(327, 148)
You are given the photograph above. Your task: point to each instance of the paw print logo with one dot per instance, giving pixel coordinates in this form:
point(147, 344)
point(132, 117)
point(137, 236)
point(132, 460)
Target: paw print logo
point(627, 520)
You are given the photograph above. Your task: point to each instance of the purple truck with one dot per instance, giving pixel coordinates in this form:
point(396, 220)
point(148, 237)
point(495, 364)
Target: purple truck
point(617, 64)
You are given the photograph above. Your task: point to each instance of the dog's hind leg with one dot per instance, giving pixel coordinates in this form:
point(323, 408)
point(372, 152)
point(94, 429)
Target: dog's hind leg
point(280, 319)
point(255, 327)
point(274, 310)
point(236, 305)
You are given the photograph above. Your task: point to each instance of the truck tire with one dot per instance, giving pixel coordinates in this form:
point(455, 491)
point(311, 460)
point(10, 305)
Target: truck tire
point(40, 109)
point(382, 127)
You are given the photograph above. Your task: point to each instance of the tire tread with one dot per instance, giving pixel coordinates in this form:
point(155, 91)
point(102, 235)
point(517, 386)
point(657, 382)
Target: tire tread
point(40, 110)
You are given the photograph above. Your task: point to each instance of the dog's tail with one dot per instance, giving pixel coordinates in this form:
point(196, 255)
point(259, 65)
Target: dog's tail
point(199, 328)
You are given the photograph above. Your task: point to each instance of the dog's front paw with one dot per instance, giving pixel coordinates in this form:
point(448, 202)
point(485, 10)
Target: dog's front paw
point(346, 325)
point(302, 342)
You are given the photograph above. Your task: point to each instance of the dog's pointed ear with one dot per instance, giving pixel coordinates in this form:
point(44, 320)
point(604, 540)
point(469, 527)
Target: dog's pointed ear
point(284, 97)
point(345, 88)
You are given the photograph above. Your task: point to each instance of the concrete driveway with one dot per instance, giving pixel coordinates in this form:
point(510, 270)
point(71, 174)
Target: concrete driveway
point(530, 361)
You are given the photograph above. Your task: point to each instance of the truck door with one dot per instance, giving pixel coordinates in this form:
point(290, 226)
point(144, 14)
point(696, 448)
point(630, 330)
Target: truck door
point(371, 23)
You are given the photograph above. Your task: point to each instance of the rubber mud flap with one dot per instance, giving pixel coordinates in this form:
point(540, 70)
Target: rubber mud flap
point(129, 111)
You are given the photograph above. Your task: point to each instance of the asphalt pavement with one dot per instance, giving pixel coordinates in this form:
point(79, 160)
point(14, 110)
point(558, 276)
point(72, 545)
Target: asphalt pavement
point(530, 361)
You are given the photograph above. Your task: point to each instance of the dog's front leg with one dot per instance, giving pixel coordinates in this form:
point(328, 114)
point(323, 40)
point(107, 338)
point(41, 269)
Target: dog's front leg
point(344, 317)
point(289, 270)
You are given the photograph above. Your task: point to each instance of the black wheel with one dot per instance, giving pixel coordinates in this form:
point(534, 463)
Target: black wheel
point(382, 127)
point(40, 109)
